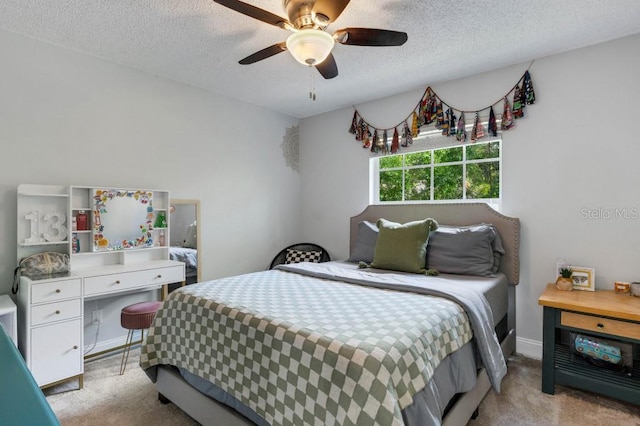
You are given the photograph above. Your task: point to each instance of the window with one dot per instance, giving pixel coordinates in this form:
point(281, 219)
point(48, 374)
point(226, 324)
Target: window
point(464, 172)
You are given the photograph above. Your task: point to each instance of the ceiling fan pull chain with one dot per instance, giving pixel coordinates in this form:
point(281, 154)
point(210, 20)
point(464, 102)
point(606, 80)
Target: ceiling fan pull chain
point(312, 84)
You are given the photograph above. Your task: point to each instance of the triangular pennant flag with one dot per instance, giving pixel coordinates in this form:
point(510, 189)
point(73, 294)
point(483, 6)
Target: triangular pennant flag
point(479, 128)
point(428, 111)
point(461, 133)
point(429, 107)
point(375, 143)
point(473, 130)
point(493, 125)
point(518, 106)
point(414, 125)
point(360, 129)
point(385, 141)
point(434, 107)
point(477, 132)
point(395, 143)
point(446, 123)
point(354, 123)
point(529, 95)
point(366, 138)
point(439, 115)
point(407, 138)
point(507, 116)
point(452, 124)
point(420, 112)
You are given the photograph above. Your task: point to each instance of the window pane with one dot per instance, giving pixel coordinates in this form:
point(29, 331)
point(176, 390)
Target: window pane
point(447, 155)
point(447, 182)
point(484, 150)
point(418, 158)
point(483, 180)
point(418, 184)
point(390, 161)
point(391, 185)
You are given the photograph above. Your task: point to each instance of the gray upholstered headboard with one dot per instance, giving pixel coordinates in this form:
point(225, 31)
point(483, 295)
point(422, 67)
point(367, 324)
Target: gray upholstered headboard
point(453, 214)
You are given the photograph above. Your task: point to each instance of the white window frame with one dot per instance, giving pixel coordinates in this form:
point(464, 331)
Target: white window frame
point(374, 178)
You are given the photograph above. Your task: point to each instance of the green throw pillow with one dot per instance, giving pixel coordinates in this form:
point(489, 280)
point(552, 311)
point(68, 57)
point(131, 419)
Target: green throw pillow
point(403, 247)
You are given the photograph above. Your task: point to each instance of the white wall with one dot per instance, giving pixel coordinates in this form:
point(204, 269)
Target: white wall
point(66, 118)
point(577, 148)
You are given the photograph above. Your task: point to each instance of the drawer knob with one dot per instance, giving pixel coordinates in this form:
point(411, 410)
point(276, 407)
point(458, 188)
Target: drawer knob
point(58, 290)
point(75, 346)
point(600, 325)
point(159, 276)
point(118, 282)
point(57, 312)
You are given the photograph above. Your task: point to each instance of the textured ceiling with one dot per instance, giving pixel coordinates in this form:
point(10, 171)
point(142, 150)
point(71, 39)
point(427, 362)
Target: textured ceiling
point(200, 42)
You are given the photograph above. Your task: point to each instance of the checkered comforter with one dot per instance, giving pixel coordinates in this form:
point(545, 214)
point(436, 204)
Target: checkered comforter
point(305, 350)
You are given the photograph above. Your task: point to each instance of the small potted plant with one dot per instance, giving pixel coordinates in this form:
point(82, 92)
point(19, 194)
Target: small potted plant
point(564, 281)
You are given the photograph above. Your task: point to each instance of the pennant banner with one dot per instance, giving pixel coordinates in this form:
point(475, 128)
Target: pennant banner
point(432, 110)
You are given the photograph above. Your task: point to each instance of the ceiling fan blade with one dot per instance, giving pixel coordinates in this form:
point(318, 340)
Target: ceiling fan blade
point(370, 37)
point(328, 68)
point(254, 12)
point(330, 8)
point(264, 53)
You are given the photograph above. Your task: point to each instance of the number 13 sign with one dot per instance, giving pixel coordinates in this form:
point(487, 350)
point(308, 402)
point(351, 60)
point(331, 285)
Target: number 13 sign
point(53, 223)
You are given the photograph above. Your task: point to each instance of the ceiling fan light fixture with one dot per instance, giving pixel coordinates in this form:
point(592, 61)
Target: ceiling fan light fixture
point(310, 47)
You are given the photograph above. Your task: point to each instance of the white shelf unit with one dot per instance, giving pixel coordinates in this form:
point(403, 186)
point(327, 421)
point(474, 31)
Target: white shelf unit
point(80, 200)
point(45, 200)
point(51, 309)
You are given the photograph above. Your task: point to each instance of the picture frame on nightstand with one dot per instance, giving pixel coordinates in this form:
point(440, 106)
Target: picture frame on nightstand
point(583, 278)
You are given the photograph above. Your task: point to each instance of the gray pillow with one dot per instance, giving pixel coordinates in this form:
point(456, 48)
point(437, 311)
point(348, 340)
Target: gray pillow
point(365, 246)
point(465, 250)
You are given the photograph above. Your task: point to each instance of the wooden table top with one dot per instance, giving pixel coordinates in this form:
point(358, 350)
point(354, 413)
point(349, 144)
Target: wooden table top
point(600, 302)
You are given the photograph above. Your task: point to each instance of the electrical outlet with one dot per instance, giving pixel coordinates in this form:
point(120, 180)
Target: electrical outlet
point(96, 316)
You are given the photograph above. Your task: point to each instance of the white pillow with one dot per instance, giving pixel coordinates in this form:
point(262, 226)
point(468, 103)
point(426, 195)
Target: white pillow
point(191, 241)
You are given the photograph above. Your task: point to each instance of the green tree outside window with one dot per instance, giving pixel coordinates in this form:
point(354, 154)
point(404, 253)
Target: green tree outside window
point(456, 173)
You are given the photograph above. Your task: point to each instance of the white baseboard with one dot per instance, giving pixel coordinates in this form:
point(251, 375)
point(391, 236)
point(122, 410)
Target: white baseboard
point(529, 348)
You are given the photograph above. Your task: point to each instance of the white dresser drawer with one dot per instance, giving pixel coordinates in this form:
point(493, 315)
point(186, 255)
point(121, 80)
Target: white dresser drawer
point(56, 290)
point(122, 281)
point(171, 274)
point(58, 311)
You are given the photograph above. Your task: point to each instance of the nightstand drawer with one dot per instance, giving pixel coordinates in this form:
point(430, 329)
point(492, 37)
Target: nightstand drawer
point(601, 325)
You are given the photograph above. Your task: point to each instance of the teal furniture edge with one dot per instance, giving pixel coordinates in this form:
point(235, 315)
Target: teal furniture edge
point(21, 400)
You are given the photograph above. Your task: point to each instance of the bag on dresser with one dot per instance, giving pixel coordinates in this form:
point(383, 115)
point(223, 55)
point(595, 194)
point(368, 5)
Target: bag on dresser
point(40, 264)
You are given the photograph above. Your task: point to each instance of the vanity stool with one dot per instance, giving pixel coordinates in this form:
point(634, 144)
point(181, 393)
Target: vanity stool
point(136, 317)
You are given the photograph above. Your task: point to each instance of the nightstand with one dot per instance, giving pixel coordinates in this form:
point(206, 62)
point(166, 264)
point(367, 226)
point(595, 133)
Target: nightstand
point(601, 314)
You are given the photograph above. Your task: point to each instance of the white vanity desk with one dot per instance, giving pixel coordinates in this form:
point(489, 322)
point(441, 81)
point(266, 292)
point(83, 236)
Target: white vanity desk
point(51, 313)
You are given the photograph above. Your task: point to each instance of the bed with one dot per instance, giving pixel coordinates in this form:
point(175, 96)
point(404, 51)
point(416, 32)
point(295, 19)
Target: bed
point(349, 344)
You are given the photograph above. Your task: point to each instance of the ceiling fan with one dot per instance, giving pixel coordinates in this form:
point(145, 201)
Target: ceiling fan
point(310, 44)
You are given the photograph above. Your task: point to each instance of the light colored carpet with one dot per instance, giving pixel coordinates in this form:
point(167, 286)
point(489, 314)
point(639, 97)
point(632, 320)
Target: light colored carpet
point(110, 399)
